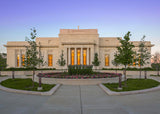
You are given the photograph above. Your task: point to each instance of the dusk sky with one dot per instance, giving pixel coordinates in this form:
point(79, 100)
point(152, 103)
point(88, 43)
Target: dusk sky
point(112, 18)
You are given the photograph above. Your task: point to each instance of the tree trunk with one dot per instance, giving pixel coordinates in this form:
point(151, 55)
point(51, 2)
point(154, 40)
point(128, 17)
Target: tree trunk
point(40, 82)
point(33, 78)
point(140, 72)
point(12, 74)
point(125, 78)
point(0, 72)
point(145, 74)
point(120, 81)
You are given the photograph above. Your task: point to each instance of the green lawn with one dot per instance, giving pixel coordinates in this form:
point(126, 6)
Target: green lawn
point(155, 75)
point(3, 75)
point(25, 84)
point(133, 84)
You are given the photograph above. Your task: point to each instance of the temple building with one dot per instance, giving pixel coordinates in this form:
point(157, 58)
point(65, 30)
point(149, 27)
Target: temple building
point(79, 46)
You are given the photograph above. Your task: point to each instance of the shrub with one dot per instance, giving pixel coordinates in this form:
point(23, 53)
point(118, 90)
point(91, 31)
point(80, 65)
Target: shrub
point(80, 69)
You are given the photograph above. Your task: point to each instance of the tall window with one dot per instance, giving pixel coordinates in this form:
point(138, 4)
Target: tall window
point(106, 60)
point(23, 59)
point(134, 63)
point(72, 56)
point(50, 60)
point(78, 56)
point(139, 61)
point(84, 56)
point(17, 60)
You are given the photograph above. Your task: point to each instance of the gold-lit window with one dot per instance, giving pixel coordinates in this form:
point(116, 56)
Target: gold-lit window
point(84, 56)
point(50, 60)
point(78, 56)
point(23, 59)
point(72, 56)
point(134, 63)
point(106, 60)
point(17, 60)
point(139, 61)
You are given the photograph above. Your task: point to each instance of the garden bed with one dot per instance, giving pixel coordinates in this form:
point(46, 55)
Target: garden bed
point(133, 84)
point(65, 75)
point(25, 84)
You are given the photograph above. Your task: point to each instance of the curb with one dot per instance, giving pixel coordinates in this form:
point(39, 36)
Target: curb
point(109, 92)
point(51, 92)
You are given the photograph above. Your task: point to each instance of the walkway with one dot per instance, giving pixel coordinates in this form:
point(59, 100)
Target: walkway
point(79, 100)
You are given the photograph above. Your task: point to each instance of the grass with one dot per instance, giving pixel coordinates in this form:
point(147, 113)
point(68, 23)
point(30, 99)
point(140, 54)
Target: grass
point(3, 75)
point(25, 84)
point(155, 75)
point(29, 75)
point(133, 84)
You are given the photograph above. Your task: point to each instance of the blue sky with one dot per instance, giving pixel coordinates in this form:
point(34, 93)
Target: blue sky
point(112, 18)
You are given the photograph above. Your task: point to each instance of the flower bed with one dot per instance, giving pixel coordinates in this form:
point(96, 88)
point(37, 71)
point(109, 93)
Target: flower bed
point(66, 76)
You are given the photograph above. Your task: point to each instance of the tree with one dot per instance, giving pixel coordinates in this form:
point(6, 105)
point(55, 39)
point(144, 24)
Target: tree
point(61, 62)
point(2, 62)
point(32, 60)
point(125, 54)
point(156, 62)
point(96, 62)
point(143, 55)
point(115, 63)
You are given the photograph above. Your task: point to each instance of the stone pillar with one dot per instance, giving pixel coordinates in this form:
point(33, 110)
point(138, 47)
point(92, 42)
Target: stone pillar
point(20, 58)
point(87, 56)
point(75, 56)
point(69, 56)
point(81, 56)
point(92, 54)
point(46, 57)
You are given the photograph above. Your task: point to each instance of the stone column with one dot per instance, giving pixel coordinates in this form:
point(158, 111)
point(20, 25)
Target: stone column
point(81, 56)
point(69, 56)
point(20, 58)
point(87, 56)
point(75, 56)
point(46, 57)
point(92, 54)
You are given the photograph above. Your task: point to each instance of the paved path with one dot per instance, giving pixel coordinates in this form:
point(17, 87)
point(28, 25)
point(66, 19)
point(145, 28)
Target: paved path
point(79, 100)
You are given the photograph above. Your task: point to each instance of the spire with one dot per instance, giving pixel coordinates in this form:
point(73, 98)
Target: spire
point(78, 27)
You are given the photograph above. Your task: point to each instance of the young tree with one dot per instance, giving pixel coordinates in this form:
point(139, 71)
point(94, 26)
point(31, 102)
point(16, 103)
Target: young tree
point(2, 63)
point(32, 60)
point(143, 55)
point(115, 63)
point(125, 54)
point(96, 62)
point(156, 62)
point(61, 62)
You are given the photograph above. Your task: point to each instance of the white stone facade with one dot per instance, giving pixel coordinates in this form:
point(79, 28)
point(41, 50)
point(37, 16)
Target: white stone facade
point(80, 40)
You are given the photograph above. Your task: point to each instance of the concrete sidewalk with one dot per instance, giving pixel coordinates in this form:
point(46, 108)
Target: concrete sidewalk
point(83, 99)
point(79, 100)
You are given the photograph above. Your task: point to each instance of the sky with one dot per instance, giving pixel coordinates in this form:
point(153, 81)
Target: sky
point(112, 18)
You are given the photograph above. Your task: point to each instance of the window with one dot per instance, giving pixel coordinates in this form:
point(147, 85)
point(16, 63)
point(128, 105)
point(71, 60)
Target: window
point(17, 60)
point(78, 56)
point(139, 61)
point(134, 63)
point(72, 56)
point(106, 60)
point(23, 59)
point(50, 57)
point(84, 56)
